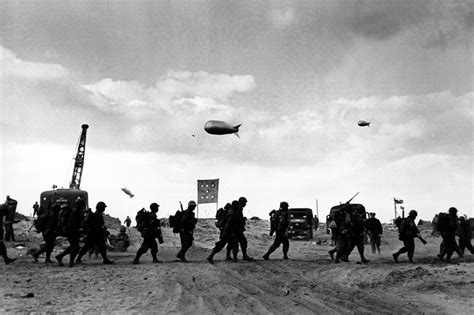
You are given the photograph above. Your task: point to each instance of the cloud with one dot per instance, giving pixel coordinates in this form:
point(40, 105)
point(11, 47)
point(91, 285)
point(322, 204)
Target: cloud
point(204, 84)
point(11, 66)
point(282, 18)
point(381, 22)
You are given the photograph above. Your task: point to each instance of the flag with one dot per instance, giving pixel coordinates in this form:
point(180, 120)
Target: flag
point(397, 201)
point(208, 190)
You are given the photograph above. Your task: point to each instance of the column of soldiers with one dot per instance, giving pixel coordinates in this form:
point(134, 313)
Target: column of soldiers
point(348, 228)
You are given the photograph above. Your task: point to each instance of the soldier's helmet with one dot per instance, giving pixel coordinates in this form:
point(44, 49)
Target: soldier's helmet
point(242, 199)
point(154, 206)
point(413, 213)
point(191, 203)
point(284, 204)
point(56, 206)
point(453, 210)
point(101, 204)
point(123, 229)
point(79, 201)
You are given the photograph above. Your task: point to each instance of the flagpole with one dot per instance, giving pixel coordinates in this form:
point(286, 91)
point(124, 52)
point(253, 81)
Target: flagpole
point(395, 206)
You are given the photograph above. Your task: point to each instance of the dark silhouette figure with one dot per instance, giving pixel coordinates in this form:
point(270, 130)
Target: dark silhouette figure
point(448, 245)
point(49, 234)
point(73, 232)
point(188, 224)
point(3, 248)
point(408, 232)
point(240, 229)
point(281, 236)
point(128, 221)
point(374, 229)
point(465, 235)
point(227, 232)
point(95, 230)
point(149, 234)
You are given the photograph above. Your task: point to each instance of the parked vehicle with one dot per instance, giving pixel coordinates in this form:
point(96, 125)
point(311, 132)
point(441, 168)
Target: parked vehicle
point(301, 223)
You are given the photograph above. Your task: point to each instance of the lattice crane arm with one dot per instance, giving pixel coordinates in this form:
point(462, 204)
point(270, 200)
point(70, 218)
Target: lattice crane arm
point(79, 160)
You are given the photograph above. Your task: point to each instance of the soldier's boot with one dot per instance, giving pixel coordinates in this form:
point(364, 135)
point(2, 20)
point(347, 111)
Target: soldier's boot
point(3, 253)
point(37, 253)
point(155, 258)
point(210, 258)
point(285, 255)
point(338, 257)
point(79, 259)
point(105, 260)
point(363, 259)
point(48, 257)
point(395, 256)
point(181, 256)
point(268, 253)
point(227, 257)
point(331, 253)
point(59, 258)
point(136, 260)
point(440, 257)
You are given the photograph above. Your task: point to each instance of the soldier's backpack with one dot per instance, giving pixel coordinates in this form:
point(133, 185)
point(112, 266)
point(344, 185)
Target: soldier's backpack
point(175, 221)
point(143, 219)
point(41, 221)
point(442, 224)
point(402, 226)
point(273, 221)
point(220, 218)
point(64, 218)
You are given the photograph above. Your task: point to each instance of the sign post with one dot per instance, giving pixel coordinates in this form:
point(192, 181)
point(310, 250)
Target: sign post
point(207, 192)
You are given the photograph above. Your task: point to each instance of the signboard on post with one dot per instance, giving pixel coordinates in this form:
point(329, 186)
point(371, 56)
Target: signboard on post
point(207, 191)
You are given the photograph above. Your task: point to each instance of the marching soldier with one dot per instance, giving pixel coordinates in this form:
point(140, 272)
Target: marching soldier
point(73, 233)
point(280, 235)
point(187, 226)
point(408, 232)
point(227, 235)
point(151, 231)
point(95, 229)
point(3, 248)
point(49, 234)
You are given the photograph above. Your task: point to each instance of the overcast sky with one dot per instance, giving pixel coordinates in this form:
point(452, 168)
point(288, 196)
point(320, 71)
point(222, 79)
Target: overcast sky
point(298, 75)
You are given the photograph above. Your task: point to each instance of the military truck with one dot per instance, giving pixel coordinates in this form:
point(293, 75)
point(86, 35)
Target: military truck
point(301, 223)
point(356, 208)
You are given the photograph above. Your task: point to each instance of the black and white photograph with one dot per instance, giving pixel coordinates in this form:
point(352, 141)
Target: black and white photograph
point(236, 156)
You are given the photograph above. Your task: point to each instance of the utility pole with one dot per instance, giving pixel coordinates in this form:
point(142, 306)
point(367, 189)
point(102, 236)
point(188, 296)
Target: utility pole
point(317, 209)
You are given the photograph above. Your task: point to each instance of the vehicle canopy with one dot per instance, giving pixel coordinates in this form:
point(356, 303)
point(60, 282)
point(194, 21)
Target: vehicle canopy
point(356, 207)
point(62, 196)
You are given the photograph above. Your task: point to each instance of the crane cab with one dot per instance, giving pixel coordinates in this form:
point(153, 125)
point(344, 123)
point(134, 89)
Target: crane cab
point(62, 196)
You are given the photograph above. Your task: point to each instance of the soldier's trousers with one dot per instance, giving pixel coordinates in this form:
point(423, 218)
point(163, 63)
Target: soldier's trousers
point(375, 242)
point(358, 241)
point(343, 246)
point(73, 248)
point(92, 241)
point(465, 243)
point(9, 234)
point(408, 247)
point(450, 246)
point(186, 241)
point(229, 240)
point(242, 240)
point(149, 243)
point(280, 238)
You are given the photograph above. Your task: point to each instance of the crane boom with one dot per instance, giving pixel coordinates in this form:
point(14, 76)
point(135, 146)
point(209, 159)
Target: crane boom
point(79, 160)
